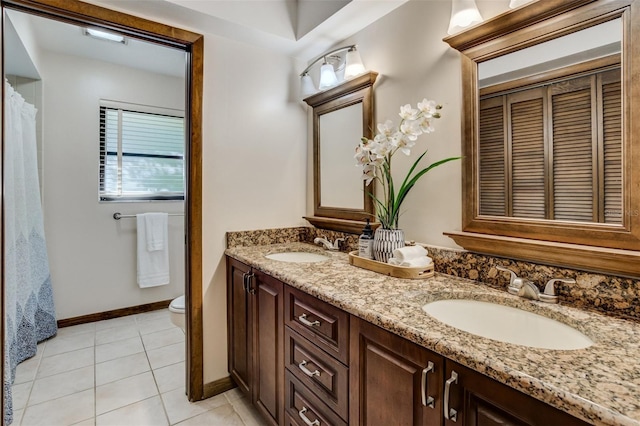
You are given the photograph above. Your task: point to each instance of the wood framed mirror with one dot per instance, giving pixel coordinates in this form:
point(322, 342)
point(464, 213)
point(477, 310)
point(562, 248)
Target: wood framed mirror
point(558, 195)
point(341, 116)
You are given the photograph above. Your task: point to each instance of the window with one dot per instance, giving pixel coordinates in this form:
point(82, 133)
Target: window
point(561, 158)
point(141, 153)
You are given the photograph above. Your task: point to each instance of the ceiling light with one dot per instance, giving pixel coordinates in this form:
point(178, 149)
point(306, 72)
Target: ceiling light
point(103, 35)
point(464, 13)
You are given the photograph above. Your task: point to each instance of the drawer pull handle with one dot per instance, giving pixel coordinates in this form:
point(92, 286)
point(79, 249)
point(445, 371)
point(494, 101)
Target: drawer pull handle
point(450, 413)
point(305, 419)
point(427, 401)
point(306, 371)
point(303, 319)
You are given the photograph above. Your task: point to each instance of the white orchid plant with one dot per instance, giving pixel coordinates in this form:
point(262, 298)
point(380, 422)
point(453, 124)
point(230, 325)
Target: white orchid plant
point(374, 156)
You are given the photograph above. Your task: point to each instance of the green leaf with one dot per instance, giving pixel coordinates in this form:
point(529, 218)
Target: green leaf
point(406, 188)
point(381, 210)
point(415, 164)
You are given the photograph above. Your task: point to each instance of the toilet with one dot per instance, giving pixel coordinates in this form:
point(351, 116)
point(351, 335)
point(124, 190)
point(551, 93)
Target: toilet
point(176, 312)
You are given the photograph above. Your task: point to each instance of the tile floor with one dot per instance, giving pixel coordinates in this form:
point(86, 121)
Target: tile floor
point(123, 371)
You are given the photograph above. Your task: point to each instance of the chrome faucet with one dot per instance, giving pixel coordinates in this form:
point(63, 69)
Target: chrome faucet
point(328, 244)
point(515, 283)
point(528, 290)
point(549, 295)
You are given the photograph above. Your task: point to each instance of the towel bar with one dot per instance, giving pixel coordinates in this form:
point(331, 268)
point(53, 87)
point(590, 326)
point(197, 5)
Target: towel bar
point(118, 215)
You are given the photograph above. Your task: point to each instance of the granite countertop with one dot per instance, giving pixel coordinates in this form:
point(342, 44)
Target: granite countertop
point(600, 384)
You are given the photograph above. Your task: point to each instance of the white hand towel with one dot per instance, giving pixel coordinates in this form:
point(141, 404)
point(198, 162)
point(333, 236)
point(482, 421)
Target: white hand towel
point(409, 252)
point(155, 225)
point(418, 262)
point(153, 266)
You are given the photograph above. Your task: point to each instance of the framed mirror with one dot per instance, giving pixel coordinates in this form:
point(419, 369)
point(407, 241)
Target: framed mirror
point(341, 116)
point(548, 135)
point(550, 129)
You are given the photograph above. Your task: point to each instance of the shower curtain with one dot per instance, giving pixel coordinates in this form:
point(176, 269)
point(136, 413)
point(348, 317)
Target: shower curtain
point(29, 311)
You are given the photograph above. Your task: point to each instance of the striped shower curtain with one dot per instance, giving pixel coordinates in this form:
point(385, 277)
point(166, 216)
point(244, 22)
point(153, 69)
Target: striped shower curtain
point(29, 311)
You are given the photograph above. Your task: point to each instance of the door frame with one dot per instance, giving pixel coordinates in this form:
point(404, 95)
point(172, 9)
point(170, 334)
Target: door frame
point(80, 13)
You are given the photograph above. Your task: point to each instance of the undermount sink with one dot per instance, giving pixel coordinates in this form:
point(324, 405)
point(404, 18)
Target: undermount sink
point(507, 324)
point(297, 257)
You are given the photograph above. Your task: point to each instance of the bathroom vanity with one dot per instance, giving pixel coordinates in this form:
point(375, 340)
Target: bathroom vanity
point(314, 343)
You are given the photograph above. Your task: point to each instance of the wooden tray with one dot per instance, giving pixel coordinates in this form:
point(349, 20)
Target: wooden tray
point(391, 270)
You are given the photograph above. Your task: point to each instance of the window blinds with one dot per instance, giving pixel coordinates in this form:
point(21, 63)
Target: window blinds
point(141, 155)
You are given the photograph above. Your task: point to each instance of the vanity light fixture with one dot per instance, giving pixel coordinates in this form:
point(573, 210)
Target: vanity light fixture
point(351, 63)
point(104, 35)
point(464, 13)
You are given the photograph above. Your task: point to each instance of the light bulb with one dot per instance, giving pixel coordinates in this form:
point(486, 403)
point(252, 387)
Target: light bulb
point(464, 13)
point(353, 65)
point(307, 88)
point(328, 77)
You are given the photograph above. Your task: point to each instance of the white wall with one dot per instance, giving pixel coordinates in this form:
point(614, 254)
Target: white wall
point(92, 256)
point(21, 46)
point(406, 49)
point(254, 165)
point(31, 91)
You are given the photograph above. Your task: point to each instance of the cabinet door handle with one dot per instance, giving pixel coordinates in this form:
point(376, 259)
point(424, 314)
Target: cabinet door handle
point(303, 319)
point(305, 419)
point(450, 413)
point(245, 281)
point(427, 401)
point(306, 371)
point(250, 289)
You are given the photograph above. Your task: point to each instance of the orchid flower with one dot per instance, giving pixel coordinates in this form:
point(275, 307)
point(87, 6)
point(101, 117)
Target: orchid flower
point(375, 155)
point(407, 112)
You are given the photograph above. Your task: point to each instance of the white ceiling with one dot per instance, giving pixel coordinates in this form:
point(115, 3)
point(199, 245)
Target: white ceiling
point(54, 36)
point(298, 28)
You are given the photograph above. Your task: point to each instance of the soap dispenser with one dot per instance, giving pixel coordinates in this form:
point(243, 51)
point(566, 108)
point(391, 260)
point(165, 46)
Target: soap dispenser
point(365, 242)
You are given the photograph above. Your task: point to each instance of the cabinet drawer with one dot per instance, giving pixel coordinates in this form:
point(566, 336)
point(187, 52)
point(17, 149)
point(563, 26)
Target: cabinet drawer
point(290, 421)
point(321, 373)
point(323, 324)
point(305, 408)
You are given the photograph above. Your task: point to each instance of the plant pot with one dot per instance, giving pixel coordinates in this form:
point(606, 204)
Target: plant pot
point(385, 241)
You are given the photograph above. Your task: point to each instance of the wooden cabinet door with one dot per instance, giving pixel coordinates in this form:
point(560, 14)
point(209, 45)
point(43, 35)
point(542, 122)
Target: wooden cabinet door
point(477, 400)
point(239, 318)
point(268, 346)
point(387, 373)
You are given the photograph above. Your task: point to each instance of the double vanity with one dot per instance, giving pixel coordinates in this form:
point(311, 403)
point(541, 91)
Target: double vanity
point(314, 340)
